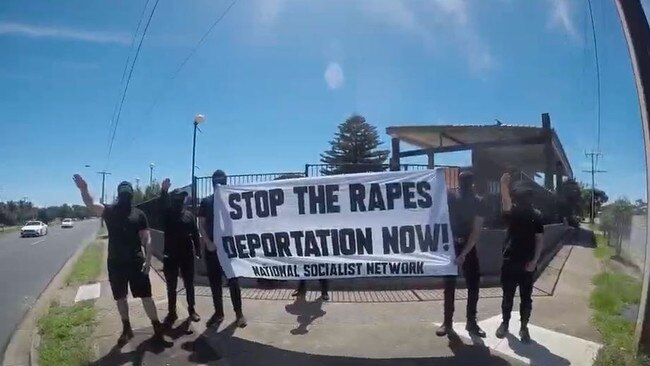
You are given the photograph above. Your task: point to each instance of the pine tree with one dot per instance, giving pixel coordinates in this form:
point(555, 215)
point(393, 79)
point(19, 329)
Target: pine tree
point(354, 149)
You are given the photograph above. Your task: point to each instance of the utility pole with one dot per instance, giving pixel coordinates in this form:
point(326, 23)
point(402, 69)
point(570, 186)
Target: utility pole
point(103, 173)
point(137, 183)
point(637, 33)
point(594, 160)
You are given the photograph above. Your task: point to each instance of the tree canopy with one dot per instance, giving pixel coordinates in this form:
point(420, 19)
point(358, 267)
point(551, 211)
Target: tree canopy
point(354, 149)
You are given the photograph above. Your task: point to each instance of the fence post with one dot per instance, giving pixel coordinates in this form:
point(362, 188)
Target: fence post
point(306, 170)
point(193, 195)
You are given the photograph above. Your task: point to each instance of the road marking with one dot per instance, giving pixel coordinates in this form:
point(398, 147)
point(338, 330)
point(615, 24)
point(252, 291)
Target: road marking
point(88, 292)
point(547, 347)
point(38, 241)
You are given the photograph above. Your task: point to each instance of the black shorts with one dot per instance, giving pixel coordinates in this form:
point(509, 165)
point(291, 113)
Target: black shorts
point(124, 275)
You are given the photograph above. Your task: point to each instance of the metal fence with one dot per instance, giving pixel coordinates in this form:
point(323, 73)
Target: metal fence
point(204, 184)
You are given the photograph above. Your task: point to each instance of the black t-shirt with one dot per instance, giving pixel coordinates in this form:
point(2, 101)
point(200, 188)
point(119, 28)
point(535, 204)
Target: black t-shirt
point(462, 212)
point(206, 209)
point(181, 233)
point(124, 226)
point(523, 224)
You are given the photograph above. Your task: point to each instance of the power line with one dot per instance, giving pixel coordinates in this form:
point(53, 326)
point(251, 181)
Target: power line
point(126, 65)
point(593, 30)
point(128, 80)
point(191, 53)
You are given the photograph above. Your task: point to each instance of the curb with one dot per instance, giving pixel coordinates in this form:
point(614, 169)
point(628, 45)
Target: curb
point(40, 306)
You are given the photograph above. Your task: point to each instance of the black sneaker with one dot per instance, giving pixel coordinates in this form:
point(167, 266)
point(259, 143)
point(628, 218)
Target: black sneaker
point(194, 316)
point(241, 321)
point(159, 335)
point(444, 329)
point(325, 296)
point(524, 335)
point(215, 319)
point(473, 329)
point(299, 293)
point(502, 331)
point(125, 337)
point(170, 319)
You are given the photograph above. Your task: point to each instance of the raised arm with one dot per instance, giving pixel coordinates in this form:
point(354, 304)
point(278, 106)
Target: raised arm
point(97, 209)
point(164, 199)
point(506, 199)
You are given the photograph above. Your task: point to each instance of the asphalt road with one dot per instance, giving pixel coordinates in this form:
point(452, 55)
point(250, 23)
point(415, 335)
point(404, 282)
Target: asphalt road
point(28, 264)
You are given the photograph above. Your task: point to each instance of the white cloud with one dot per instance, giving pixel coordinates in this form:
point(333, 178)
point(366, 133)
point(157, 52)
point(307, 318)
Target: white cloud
point(62, 33)
point(334, 76)
point(561, 17)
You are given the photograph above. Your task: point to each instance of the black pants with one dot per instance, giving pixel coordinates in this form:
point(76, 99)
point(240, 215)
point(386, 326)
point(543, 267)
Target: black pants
point(324, 286)
point(172, 265)
point(472, 274)
point(215, 276)
point(513, 274)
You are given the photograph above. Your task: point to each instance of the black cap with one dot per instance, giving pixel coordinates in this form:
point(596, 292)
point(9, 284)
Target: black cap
point(125, 187)
point(522, 187)
point(178, 193)
point(218, 174)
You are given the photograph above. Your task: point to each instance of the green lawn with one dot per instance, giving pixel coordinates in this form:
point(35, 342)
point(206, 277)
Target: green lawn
point(9, 229)
point(613, 293)
point(65, 335)
point(88, 266)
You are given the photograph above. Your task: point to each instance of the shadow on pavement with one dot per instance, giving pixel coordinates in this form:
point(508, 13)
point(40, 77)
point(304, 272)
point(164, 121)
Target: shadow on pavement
point(581, 237)
point(306, 311)
point(212, 348)
point(116, 356)
point(535, 352)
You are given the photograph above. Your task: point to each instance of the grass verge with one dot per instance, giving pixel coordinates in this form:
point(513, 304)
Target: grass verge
point(65, 335)
point(613, 293)
point(88, 266)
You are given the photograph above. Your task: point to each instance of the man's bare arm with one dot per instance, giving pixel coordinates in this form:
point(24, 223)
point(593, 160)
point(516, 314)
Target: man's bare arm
point(145, 239)
point(474, 235)
point(88, 200)
point(209, 245)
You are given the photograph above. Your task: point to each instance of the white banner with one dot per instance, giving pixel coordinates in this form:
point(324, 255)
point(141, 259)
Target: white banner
point(386, 224)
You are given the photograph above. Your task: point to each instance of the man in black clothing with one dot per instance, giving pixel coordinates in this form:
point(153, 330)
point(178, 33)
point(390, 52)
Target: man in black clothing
point(128, 266)
point(521, 254)
point(181, 246)
point(215, 272)
point(466, 219)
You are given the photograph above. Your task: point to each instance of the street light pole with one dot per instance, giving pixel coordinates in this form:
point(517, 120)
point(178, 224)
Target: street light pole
point(151, 166)
point(199, 118)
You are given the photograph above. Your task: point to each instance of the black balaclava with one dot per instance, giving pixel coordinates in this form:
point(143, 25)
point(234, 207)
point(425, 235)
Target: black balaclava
point(219, 178)
point(178, 200)
point(466, 183)
point(522, 195)
point(124, 194)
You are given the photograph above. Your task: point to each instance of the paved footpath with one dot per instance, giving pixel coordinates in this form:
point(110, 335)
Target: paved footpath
point(311, 332)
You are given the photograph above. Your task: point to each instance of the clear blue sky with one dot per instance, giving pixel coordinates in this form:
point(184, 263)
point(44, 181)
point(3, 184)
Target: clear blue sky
point(276, 77)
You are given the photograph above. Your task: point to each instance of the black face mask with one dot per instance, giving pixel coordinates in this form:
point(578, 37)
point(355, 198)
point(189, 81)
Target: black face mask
point(177, 204)
point(124, 199)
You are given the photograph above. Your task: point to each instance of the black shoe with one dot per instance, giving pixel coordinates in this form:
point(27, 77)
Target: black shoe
point(325, 296)
point(215, 319)
point(444, 329)
point(524, 335)
point(241, 321)
point(299, 293)
point(170, 319)
point(502, 331)
point(159, 335)
point(473, 329)
point(125, 337)
point(194, 316)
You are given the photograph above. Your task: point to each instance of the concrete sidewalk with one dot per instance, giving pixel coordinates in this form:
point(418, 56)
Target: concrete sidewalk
point(300, 332)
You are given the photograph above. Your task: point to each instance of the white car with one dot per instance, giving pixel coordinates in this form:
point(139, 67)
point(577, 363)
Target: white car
point(33, 228)
point(66, 223)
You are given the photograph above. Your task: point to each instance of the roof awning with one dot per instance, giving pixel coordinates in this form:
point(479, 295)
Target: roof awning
point(513, 146)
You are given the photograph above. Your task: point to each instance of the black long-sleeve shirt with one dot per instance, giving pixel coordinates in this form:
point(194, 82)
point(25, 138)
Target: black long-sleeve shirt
point(181, 232)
